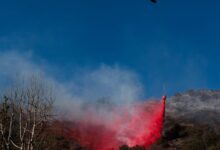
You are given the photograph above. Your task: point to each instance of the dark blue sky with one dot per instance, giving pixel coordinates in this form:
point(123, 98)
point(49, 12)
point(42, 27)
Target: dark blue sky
point(173, 43)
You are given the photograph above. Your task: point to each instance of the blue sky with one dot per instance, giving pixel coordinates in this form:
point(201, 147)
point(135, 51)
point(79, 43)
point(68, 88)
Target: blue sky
point(172, 46)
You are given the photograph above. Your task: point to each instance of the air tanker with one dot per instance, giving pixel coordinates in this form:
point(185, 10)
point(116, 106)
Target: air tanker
point(153, 1)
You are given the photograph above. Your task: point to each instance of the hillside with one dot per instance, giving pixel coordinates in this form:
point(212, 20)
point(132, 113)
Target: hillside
point(192, 122)
point(200, 106)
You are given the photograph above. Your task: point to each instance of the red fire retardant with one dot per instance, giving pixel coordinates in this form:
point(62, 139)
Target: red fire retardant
point(139, 124)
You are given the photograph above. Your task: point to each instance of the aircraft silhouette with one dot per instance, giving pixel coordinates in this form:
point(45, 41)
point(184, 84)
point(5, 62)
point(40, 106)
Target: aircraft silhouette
point(153, 1)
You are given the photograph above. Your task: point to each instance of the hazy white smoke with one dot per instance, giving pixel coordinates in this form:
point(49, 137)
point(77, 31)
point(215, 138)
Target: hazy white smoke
point(105, 85)
point(103, 99)
point(112, 83)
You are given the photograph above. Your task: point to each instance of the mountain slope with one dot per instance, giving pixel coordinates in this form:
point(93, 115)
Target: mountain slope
point(192, 122)
point(201, 106)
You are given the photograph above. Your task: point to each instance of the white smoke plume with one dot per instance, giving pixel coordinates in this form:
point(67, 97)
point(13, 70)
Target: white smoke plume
point(105, 85)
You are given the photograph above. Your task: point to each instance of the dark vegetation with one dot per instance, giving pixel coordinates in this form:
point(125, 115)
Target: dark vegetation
point(188, 136)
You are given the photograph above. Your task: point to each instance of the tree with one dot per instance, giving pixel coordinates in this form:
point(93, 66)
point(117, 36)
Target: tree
point(24, 113)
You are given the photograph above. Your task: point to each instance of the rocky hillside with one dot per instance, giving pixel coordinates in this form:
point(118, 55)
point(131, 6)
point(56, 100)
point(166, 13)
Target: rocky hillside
point(202, 106)
point(192, 122)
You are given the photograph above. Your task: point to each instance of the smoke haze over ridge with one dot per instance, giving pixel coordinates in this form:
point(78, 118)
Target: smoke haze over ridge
point(118, 85)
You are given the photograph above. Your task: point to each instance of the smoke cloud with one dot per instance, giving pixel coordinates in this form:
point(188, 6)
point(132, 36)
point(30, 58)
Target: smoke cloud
point(102, 105)
point(113, 83)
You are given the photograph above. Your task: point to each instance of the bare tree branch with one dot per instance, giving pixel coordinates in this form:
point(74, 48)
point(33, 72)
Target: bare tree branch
point(26, 109)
